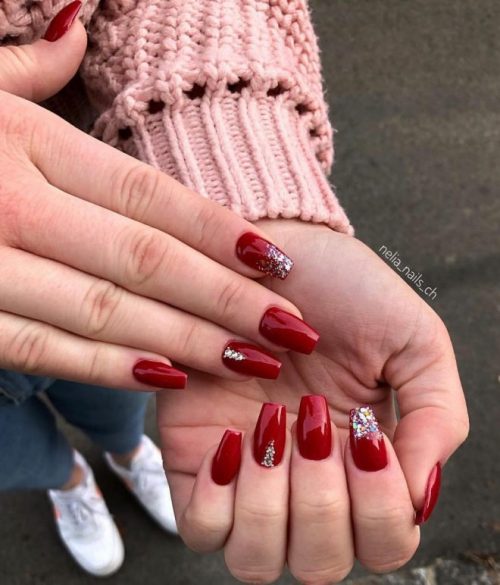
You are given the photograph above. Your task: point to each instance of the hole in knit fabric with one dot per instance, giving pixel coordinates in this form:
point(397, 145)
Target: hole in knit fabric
point(124, 133)
point(275, 91)
point(155, 106)
point(314, 133)
point(302, 109)
point(238, 86)
point(197, 91)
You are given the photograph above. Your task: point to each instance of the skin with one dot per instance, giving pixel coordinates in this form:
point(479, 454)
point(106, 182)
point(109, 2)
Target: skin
point(376, 335)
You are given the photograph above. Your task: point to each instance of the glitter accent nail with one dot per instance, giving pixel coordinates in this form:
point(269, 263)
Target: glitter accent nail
point(364, 424)
point(268, 460)
point(263, 256)
point(366, 440)
point(232, 354)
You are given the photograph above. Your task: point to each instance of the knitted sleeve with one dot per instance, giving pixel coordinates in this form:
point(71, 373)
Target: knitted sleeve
point(23, 21)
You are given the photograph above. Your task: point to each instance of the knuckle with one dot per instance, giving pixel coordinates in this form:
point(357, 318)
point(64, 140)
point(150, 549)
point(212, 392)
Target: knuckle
point(200, 530)
point(99, 305)
point(145, 251)
point(229, 301)
point(254, 575)
point(187, 343)
point(94, 371)
point(136, 191)
point(205, 226)
point(261, 514)
point(325, 576)
point(29, 347)
point(390, 517)
point(322, 507)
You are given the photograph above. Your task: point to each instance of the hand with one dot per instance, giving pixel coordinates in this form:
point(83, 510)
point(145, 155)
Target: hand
point(108, 265)
point(376, 334)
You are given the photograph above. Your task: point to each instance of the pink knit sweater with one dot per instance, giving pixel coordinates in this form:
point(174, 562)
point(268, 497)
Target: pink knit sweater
point(224, 95)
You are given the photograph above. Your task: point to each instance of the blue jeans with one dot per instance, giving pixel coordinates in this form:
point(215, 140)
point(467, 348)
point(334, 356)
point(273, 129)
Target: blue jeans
point(34, 454)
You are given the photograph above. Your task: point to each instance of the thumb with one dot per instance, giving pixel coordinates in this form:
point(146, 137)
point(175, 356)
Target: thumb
point(432, 407)
point(38, 71)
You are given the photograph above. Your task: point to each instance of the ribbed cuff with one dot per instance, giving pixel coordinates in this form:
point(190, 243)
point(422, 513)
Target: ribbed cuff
point(254, 155)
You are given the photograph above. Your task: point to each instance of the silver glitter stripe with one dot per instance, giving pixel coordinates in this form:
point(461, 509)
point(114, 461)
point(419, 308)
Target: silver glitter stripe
point(276, 263)
point(268, 460)
point(232, 354)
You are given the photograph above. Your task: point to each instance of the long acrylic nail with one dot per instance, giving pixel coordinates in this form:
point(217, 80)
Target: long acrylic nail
point(159, 375)
point(250, 360)
point(431, 495)
point(62, 21)
point(270, 435)
point(367, 441)
point(258, 253)
point(227, 460)
point(314, 430)
point(287, 330)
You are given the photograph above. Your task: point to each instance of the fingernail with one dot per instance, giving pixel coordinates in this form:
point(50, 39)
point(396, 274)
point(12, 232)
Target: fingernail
point(367, 441)
point(62, 21)
point(260, 254)
point(314, 431)
point(287, 330)
point(431, 495)
point(159, 375)
point(226, 462)
point(270, 434)
point(250, 360)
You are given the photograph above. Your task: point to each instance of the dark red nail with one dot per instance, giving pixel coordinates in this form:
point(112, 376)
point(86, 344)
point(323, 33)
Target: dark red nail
point(431, 495)
point(270, 434)
point(314, 431)
point(159, 375)
point(287, 330)
point(367, 441)
point(262, 255)
point(226, 462)
point(62, 21)
point(250, 360)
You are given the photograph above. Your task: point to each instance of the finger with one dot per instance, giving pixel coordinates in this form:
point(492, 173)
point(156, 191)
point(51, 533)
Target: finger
point(33, 347)
point(208, 518)
point(382, 512)
point(136, 190)
point(38, 71)
point(153, 264)
point(434, 420)
point(97, 309)
point(321, 546)
point(256, 548)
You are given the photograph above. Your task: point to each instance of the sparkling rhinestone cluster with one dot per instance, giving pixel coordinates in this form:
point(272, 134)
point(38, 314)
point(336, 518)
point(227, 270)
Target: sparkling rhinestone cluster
point(276, 263)
point(232, 354)
point(268, 460)
point(364, 423)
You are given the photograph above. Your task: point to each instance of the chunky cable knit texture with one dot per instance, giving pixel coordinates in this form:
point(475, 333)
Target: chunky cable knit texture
point(224, 95)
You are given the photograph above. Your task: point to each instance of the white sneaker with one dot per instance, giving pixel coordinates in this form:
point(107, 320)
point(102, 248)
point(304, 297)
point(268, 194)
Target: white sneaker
point(86, 526)
point(146, 480)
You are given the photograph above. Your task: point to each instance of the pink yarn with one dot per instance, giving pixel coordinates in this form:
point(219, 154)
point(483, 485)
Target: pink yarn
point(224, 95)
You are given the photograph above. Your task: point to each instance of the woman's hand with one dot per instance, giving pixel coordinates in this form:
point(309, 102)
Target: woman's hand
point(109, 267)
point(376, 334)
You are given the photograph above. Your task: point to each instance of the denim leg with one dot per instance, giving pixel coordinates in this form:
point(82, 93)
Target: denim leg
point(113, 419)
point(34, 454)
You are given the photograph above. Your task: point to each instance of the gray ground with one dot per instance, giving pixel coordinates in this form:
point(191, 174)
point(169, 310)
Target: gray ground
point(414, 89)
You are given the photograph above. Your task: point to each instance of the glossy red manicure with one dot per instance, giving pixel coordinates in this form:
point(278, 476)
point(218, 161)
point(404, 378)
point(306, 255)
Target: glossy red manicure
point(262, 255)
point(226, 462)
point(431, 495)
point(367, 441)
point(62, 21)
point(287, 330)
point(314, 431)
point(159, 375)
point(270, 434)
point(250, 360)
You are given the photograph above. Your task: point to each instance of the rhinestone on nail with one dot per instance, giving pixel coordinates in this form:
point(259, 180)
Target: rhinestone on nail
point(364, 424)
point(268, 460)
point(232, 354)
